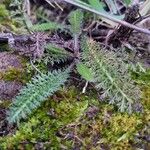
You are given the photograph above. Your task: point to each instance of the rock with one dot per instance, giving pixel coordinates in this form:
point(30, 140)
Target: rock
point(8, 60)
point(9, 89)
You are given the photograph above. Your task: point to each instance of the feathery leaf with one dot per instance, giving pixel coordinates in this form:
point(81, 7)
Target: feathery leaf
point(35, 92)
point(55, 49)
point(52, 26)
point(111, 74)
point(76, 19)
point(55, 54)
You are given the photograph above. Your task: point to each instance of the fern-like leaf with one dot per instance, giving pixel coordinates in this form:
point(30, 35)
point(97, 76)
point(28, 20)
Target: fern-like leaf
point(56, 54)
point(111, 74)
point(54, 59)
point(76, 20)
point(34, 93)
point(52, 26)
point(55, 49)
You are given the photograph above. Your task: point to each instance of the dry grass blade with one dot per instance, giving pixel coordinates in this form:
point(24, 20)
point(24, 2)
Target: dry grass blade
point(88, 8)
point(145, 8)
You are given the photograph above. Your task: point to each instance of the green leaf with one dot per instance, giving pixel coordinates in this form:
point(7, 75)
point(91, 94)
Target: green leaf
point(127, 2)
point(110, 73)
point(85, 72)
point(76, 20)
point(96, 4)
point(47, 26)
point(56, 54)
point(55, 49)
point(35, 92)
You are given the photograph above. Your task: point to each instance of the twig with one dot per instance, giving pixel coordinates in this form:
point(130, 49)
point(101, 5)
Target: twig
point(35, 67)
point(84, 88)
point(50, 3)
point(86, 7)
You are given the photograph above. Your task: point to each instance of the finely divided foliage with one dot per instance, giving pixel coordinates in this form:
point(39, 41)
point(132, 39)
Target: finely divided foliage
point(52, 26)
point(35, 92)
point(75, 19)
point(97, 65)
point(111, 74)
point(42, 86)
point(55, 54)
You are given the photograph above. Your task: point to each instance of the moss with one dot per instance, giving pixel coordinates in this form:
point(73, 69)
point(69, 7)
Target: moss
point(21, 74)
point(122, 127)
point(109, 128)
point(7, 22)
point(146, 97)
point(70, 120)
point(43, 125)
point(3, 11)
point(11, 74)
point(6, 3)
point(5, 104)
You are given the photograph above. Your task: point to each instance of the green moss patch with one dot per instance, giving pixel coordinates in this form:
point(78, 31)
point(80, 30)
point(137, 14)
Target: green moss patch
point(71, 120)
